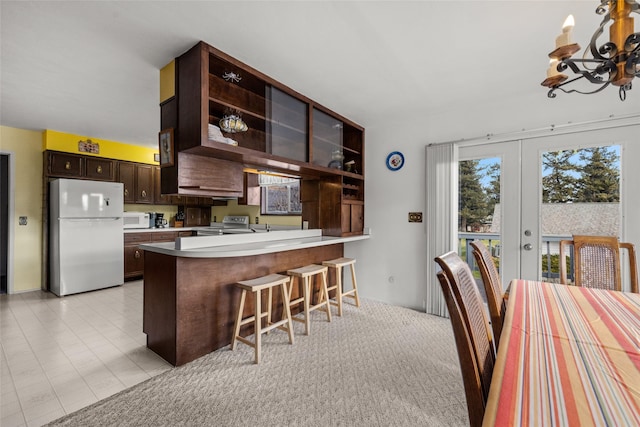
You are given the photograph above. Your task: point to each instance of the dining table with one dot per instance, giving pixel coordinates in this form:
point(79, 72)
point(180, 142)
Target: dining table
point(568, 356)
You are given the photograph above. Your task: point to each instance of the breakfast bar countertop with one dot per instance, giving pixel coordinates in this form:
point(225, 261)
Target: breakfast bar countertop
point(236, 245)
point(159, 230)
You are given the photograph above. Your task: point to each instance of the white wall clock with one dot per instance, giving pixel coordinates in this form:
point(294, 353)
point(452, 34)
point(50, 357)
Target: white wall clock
point(395, 160)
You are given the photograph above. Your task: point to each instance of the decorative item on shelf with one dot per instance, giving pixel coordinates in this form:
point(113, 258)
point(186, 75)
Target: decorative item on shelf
point(165, 138)
point(233, 123)
point(216, 135)
point(395, 160)
point(231, 76)
point(88, 146)
point(350, 166)
point(616, 61)
point(336, 159)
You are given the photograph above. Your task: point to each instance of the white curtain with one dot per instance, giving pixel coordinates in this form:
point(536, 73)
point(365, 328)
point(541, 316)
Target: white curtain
point(441, 216)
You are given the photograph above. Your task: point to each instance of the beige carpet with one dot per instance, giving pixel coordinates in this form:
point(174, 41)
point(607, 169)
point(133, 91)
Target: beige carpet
point(379, 365)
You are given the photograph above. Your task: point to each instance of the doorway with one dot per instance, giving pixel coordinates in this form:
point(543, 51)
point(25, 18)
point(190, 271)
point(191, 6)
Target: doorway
point(531, 215)
point(4, 222)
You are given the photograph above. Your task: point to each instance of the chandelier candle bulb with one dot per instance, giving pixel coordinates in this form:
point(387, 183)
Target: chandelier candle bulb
point(553, 68)
point(566, 38)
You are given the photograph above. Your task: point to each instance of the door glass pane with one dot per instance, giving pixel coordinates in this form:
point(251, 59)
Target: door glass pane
point(479, 209)
point(581, 196)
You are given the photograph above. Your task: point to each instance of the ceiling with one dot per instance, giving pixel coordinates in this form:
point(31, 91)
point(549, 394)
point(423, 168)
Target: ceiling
point(92, 68)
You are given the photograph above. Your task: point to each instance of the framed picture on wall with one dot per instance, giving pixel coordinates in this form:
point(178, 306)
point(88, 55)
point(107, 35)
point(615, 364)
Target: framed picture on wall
point(166, 147)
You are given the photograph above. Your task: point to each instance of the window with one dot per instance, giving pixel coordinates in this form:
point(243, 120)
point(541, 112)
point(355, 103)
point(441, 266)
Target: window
point(280, 195)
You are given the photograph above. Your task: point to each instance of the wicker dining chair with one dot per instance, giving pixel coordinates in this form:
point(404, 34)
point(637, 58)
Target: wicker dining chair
point(476, 400)
point(492, 286)
point(471, 331)
point(596, 262)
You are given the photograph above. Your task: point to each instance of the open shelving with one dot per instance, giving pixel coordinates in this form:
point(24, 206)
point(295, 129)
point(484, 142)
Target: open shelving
point(287, 132)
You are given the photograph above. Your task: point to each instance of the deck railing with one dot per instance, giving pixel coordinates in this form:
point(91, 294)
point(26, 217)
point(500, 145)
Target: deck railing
point(550, 246)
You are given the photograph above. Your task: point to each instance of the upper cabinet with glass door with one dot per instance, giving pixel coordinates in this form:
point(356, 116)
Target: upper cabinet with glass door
point(336, 144)
point(226, 109)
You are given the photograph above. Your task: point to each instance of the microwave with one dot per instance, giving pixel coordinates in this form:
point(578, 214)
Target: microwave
point(135, 220)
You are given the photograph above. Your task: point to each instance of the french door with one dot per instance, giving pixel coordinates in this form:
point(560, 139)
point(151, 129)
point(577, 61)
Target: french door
point(528, 221)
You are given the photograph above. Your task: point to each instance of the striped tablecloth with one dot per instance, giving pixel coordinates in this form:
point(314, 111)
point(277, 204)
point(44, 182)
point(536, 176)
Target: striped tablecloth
point(568, 356)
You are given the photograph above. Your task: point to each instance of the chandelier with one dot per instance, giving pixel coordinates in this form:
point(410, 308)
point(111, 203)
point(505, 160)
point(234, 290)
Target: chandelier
point(613, 62)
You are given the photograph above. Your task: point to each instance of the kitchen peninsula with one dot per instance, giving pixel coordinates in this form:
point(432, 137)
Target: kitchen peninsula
point(189, 294)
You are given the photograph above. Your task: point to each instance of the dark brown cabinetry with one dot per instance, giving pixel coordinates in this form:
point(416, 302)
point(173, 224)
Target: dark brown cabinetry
point(251, 190)
point(282, 123)
point(335, 205)
point(134, 256)
point(138, 182)
point(195, 216)
point(100, 169)
point(287, 132)
point(160, 199)
point(69, 165)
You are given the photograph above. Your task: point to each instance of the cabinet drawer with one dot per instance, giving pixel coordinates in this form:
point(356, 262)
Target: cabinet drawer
point(100, 169)
point(61, 164)
point(185, 234)
point(131, 238)
point(167, 236)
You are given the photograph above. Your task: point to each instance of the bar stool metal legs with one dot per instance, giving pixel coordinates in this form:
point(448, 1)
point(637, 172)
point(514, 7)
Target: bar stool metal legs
point(256, 286)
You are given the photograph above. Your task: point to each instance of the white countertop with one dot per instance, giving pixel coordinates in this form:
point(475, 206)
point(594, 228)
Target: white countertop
point(159, 230)
point(235, 245)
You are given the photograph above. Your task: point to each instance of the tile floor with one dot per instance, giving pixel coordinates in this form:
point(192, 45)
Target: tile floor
point(62, 354)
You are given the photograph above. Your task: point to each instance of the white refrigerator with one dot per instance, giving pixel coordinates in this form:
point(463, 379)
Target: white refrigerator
point(86, 247)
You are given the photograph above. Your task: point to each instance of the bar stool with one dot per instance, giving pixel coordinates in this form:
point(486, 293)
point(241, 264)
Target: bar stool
point(304, 275)
point(338, 264)
point(256, 286)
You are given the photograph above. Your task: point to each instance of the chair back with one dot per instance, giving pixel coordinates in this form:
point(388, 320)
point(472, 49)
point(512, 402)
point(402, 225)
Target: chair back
point(492, 287)
point(466, 355)
point(467, 297)
point(597, 262)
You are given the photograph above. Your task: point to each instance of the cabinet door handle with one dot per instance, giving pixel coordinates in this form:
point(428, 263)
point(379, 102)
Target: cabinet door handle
point(144, 193)
point(99, 169)
point(67, 165)
point(126, 192)
point(137, 254)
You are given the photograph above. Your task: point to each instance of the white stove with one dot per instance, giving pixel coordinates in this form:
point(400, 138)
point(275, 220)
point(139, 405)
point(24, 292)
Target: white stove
point(231, 224)
point(235, 221)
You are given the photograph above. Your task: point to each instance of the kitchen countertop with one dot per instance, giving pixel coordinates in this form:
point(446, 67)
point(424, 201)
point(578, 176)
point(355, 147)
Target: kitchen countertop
point(159, 230)
point(235, 245)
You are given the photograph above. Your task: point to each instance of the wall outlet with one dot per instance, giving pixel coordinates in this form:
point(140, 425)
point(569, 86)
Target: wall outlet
point(415, 216)
point(257, 220)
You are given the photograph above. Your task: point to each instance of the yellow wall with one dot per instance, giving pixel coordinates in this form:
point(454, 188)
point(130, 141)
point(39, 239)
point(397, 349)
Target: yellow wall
point(25, 146)
point(169, 211)
point(167, 81)
point(68, 143)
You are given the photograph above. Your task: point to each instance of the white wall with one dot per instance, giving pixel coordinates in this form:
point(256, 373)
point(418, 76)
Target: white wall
point(397, 248)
